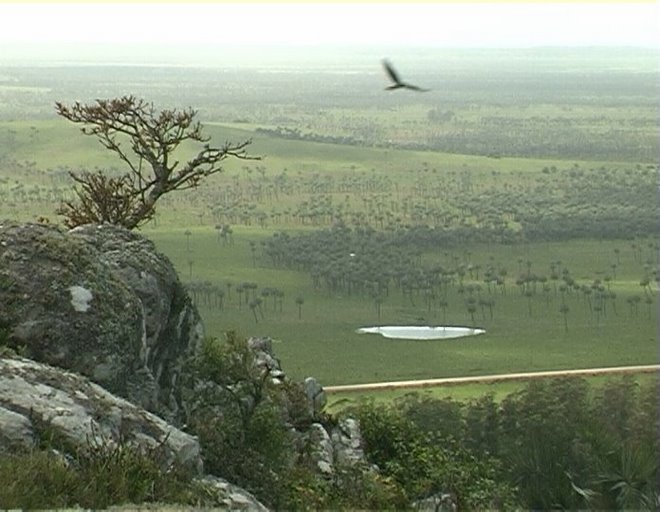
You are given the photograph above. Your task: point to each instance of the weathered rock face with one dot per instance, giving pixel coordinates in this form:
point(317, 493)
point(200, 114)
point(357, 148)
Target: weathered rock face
point(327, 445)
point(99, 314)
point(315, 396)
point(339, 445)
point(34, 395)
point(228, 496)
point(99, 301)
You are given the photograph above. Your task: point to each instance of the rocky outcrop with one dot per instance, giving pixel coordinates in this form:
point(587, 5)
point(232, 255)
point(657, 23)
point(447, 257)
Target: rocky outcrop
point(347, 442)
point(104, 326)
point(227, 496)
point(39, 400)
point(442, 502)
point(35, 397)
point(327, 444)
point(99, 301)
point(316, 397)
point(334, 446)
point(264, 357)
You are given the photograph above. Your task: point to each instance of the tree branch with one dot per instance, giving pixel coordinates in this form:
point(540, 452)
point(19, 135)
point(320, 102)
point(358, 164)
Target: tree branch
point(153, 137)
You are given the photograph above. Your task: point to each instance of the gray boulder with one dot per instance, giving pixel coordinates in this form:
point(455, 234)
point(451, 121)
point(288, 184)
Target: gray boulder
point(347, 442)
point(315, 396)
point(220, 493)
point(99, 301)
point(442, 502)
point(264, 357)
point(37, 399)
point(334, 446)
point(35, 396)
point(320, 449)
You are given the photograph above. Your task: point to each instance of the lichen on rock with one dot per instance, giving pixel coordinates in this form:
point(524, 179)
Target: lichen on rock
point(80, 298)
point(33, 395)
point(101, 301)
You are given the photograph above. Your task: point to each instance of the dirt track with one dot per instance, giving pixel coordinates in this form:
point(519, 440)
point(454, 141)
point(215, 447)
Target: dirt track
point(375, 386)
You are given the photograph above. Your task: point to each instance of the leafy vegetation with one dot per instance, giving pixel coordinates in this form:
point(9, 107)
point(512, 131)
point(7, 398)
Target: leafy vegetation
point(554, 444)
point(551, 444)
point(519, 196)
point(244, 417)
point(55, 475)
point(130, 200)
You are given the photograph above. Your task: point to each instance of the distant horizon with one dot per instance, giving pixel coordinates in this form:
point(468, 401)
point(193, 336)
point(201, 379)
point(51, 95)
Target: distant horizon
point(257, 55)
point(128, 31)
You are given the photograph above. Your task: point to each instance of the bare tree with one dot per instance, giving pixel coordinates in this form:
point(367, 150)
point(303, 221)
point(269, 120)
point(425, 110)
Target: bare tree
point(145, 140)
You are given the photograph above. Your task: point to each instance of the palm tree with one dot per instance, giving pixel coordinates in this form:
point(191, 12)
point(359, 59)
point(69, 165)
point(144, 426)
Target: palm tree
point(219, 297)
point(378, 302)
point(253, 308)
point(443, 304)
point(253, 250)
point(279, 295)
point(471, 305)
point(239, 290)
point(299, 301)
point(529, 294)
point(629, 479)
point(645, 283)
point(187, 232)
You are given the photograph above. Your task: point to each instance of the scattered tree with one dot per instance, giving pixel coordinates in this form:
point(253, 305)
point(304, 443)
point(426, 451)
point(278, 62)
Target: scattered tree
point(151, 139)
point(300, 301)
point(564, 309)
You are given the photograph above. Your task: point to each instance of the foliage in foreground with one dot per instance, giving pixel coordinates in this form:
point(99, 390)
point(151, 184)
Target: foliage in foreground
point(557, 443)
point(245, 423)
point(554, 444)
point(102, 476)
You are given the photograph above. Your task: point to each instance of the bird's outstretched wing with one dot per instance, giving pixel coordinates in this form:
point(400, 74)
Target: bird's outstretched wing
point(398, 83)
point(415, 88)
point(392, 73)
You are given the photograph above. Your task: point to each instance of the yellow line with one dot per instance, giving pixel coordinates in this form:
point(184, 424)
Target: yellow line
point(381, 386)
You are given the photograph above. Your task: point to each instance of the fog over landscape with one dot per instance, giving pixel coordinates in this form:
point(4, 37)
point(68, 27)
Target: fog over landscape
point(251, 33)
point(334, 256)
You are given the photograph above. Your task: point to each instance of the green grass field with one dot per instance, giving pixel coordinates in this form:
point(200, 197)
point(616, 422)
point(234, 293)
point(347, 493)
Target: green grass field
point(323, 342)
point(590, 174)
point(525, 334)
point(340, 400)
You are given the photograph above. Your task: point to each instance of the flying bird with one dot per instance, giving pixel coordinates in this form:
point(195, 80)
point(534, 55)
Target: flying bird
point(398, 83)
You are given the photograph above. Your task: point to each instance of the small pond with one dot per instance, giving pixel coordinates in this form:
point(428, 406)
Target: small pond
point(420, 332)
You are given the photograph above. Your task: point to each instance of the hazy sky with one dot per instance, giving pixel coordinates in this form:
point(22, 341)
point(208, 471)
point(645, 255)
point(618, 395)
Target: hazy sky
point(442, 24)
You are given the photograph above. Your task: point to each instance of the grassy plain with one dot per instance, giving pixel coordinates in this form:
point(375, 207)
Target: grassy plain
point(570, 124)
point(339, 400)
point(323, 342)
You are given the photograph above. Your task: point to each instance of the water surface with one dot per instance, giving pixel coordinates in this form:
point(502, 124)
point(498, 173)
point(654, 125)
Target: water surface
point(420, 332)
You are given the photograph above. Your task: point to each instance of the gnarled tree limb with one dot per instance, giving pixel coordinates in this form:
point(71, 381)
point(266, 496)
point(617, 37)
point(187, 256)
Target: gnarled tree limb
point(139, 135)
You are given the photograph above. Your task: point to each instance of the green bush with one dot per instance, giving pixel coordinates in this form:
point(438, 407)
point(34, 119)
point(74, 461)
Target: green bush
point(98, 478)
point(238, 419)
point(425, 462)
point(245, 426)
point(556, 443)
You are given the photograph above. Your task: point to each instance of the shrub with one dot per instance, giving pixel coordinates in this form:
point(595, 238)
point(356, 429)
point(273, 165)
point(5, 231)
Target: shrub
point(237, 415)
point(424, 462)
point(245, 425)
point(101, 476)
